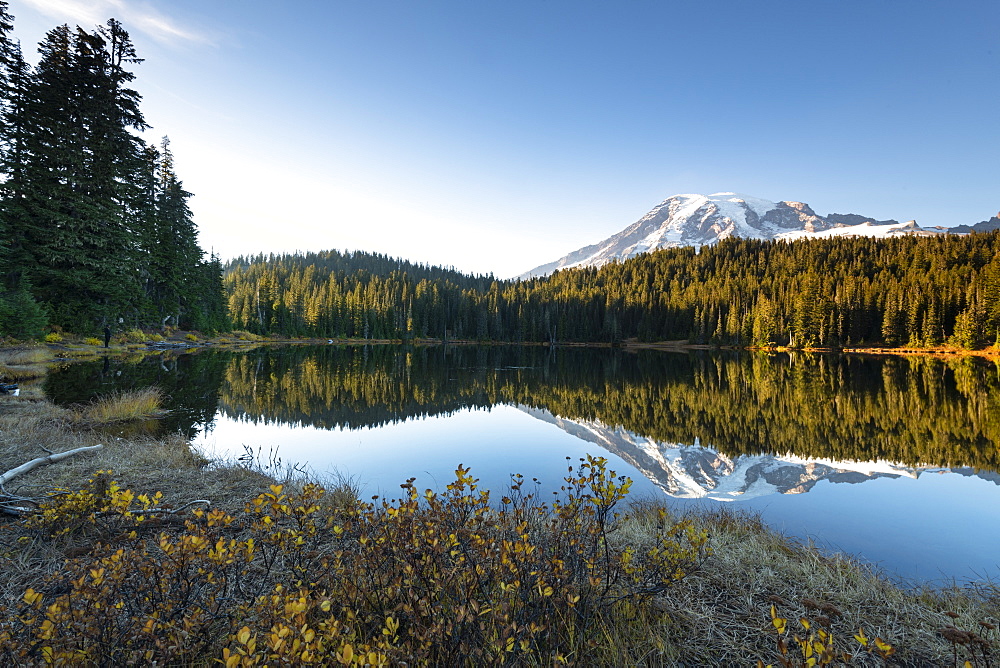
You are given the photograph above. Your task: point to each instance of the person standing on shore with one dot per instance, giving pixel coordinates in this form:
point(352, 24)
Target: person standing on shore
point(107, 336)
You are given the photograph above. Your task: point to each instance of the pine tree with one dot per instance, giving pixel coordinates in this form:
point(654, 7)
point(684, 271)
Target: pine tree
point(80, 168)
point(175, 255)
point(764, 323)
point(20, 316)
point(13, 78)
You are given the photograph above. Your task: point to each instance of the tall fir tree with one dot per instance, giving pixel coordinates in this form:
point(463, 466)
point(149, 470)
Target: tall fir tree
point(176, 256)
point(8, 54)
point(94, 224)
point(81, 163)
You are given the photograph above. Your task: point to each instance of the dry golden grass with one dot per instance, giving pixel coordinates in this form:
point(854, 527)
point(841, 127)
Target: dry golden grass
point(22, 372)
point(30, 425)
point(24, 356)
point(721, 614)
point(138, 404)
point(21, 364)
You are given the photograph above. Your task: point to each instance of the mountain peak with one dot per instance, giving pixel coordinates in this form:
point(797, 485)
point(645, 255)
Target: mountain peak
point(702, 220)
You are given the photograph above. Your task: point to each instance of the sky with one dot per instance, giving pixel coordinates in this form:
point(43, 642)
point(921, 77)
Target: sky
point(494, 136)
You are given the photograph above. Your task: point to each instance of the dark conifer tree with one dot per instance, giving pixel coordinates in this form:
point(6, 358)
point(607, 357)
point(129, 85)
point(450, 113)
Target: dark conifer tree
point(80, 168)
point(175, 254)
point(20, 315)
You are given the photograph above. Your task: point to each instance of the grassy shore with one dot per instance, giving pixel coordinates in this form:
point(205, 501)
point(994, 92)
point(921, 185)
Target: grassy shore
point(445, 579)
point(134, 341)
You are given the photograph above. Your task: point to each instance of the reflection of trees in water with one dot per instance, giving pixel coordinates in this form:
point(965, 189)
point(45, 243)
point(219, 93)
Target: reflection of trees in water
point(190, 385)
point(909, 410)
point(353, 387)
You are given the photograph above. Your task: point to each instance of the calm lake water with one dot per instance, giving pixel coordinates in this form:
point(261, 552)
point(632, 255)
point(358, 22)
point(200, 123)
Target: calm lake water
point(894, 460)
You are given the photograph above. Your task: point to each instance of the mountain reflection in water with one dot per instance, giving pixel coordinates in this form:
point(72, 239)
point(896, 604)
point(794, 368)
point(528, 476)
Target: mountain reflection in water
point(697, 472)
point(758, 429)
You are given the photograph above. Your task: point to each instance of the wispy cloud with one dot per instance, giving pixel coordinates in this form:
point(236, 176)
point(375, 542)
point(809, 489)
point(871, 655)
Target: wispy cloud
point(136, 15)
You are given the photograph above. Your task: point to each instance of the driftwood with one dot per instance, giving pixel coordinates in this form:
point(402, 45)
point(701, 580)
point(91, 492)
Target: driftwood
point(51, 458)
point(7, 501)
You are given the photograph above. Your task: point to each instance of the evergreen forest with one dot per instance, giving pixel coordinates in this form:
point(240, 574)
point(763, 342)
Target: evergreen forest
point(836, 292)
point(95, 228)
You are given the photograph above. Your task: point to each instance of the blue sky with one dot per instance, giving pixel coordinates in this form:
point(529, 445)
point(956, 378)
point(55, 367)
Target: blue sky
point(496, 136)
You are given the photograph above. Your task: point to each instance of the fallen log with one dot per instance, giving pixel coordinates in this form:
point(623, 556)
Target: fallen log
point(42, 461)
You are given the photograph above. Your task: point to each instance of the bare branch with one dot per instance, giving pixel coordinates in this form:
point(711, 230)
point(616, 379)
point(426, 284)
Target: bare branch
point(42, 461)
point(16, 511)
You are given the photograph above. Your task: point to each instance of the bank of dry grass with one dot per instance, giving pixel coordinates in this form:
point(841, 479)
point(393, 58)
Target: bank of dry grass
point(24, 363)
point(31, 425)
point(718, 613)
point(722, 613)
point(140, 404)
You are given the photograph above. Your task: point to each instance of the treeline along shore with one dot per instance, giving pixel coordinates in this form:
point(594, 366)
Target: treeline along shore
point(836, 293)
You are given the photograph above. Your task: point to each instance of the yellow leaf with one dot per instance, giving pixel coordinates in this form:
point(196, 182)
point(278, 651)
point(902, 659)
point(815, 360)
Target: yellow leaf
point(779, 622)
point(884, 648)
point(347, 654)
point(243, 636)
point(231, 660)
point(32, 597)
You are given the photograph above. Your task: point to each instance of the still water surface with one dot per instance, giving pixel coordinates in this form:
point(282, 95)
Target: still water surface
point(893, 460)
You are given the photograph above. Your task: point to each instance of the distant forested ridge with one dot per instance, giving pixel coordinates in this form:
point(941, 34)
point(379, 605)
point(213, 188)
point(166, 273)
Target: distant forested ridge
point(94, 223)
point(835, 292)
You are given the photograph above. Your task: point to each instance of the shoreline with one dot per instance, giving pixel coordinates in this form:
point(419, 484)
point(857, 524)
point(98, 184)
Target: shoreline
point(183, 341)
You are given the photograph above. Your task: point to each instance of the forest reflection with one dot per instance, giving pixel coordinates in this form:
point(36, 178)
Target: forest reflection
point(910, 410)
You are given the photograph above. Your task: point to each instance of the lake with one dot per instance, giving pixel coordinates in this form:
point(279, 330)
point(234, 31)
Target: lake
point(892, 459)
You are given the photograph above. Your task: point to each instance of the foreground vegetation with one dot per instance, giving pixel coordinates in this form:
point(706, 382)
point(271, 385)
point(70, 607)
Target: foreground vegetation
point(143, 551)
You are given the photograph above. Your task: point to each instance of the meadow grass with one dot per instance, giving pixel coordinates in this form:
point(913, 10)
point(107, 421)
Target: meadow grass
point(140, 404)
point(387, 579)
point(24, 363)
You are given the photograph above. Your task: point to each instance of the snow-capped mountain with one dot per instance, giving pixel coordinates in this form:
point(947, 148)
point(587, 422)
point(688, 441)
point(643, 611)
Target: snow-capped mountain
point(701, 220)
point(697, 472)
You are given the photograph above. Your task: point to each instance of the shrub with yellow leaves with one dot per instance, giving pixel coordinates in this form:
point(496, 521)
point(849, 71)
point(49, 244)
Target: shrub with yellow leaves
point(427, 578)
point(819, 647)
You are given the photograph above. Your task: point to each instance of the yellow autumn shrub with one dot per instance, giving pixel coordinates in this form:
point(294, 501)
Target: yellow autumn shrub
point(428, 578)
